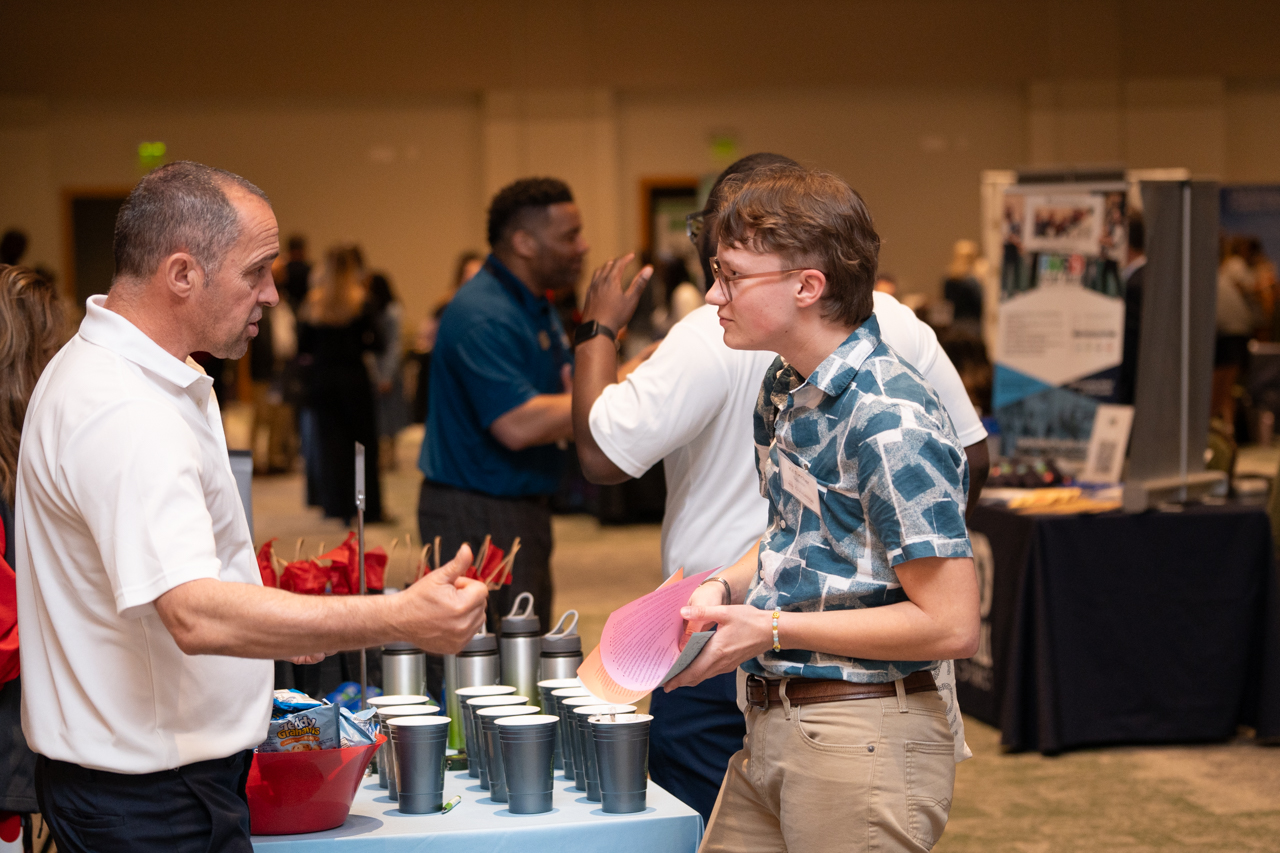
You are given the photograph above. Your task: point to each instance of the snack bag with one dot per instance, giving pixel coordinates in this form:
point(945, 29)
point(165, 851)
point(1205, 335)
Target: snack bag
point(358, 729)
point(286, 702)
point(314, 728)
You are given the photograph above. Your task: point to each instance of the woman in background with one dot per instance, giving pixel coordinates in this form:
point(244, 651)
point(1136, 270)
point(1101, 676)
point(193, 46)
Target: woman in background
point(335, 330)
point(32, 328)
point(385, 366)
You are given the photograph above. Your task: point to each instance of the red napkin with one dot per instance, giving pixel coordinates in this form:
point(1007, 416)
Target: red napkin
point(492, 559)
point(306, 577)
point(265, 567)
point(344, 562)
point(9, 660)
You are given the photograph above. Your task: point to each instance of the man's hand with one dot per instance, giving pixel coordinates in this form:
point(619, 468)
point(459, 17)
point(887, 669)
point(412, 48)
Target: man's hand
point(608, 302)
point(743, 633)
point(443, 610)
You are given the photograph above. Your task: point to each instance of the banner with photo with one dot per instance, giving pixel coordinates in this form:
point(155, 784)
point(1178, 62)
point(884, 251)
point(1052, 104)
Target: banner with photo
point(1061, 330)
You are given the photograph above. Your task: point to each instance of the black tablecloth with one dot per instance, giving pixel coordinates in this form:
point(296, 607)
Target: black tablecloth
point(1148, 628)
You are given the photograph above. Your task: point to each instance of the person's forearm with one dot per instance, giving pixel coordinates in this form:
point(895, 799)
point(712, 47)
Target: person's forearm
point(742, 573)
point(214, 617)
point(544, 419)
point(595, 368)
point(894, 632)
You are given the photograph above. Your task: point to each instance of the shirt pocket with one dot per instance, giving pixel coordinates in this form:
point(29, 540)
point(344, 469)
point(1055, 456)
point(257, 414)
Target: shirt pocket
point(931, 777)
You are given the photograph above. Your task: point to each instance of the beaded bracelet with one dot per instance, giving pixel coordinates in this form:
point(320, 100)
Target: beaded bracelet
point(776, 646)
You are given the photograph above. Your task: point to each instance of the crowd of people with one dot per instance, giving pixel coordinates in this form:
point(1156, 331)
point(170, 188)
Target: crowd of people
point(815, 437)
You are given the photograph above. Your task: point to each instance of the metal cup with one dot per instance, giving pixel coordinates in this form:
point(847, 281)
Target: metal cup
point(472, 745)
point(386, 756)
point(562, 730)
point(622, 755)
point(572, 743)
point(549, 704)
point(528, 744)
point(419, 745)
point(586, 743)
point(475, 704)
point(487, 719)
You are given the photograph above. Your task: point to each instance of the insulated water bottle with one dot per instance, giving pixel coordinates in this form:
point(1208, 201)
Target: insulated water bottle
point(519, 647)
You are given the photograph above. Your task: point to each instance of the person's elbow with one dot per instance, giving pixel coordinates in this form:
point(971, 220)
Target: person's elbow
point(963, 641)
point(511, 434)
point(193, 633)
point(598, 468)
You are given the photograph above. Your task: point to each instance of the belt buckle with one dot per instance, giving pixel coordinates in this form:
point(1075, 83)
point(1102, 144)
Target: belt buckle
point(752, 678)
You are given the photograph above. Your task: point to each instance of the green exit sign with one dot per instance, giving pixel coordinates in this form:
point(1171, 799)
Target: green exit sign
point(151, 155)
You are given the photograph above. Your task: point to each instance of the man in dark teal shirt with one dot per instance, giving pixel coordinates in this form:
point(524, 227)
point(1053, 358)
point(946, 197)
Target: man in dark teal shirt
point(499, 403)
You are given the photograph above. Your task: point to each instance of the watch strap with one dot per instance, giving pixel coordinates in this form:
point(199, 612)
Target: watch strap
point(588, 330)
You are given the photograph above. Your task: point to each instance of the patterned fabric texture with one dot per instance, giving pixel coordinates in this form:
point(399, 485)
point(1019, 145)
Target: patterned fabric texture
point(891, 483)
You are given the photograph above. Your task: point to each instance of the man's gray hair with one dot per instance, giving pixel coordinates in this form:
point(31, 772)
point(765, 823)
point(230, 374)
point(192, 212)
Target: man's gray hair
point(179, 207)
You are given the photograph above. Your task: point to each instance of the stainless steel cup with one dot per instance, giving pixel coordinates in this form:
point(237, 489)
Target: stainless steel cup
point(527, 745)
point(622, 755)
point(385, 702)
point(386, 755)
point(549, 704)
point(586, 743)
point(562, 735)
point(574, 745)
point(487, 718)
point(463, 694)
point(474, 705)
point(419, 745)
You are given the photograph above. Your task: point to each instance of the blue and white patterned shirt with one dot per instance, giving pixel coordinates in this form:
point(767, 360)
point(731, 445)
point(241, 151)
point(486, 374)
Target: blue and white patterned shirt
point(891, 477)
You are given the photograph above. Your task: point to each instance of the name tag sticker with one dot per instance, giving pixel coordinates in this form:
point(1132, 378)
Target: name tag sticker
point(799, 482)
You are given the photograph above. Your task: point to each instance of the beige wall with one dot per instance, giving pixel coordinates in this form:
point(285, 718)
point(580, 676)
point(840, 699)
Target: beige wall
point(410, 178)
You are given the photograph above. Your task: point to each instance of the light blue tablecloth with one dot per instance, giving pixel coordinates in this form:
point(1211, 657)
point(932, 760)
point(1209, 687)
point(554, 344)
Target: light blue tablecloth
point(479, 825)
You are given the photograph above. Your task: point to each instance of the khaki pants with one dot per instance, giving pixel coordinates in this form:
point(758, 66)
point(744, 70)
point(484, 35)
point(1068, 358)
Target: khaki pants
point(858, 775)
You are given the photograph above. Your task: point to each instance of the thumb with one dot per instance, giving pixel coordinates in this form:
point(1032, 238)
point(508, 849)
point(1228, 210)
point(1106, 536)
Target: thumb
point(642, 278)
point(455, 568)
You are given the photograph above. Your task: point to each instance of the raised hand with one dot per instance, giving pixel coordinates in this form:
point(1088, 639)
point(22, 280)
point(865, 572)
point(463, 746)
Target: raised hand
point(443, 610)
point(609, 302)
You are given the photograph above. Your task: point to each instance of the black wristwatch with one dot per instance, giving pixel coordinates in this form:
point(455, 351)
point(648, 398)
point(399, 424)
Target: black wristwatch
point(588, 330)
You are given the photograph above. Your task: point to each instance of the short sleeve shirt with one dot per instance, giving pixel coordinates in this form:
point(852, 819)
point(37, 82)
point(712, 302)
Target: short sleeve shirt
point(891, 479)
point(499, 346)
point(124, 492)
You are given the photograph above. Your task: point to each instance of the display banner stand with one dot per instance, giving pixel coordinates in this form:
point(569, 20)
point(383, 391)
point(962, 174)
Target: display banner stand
point(1175, 358)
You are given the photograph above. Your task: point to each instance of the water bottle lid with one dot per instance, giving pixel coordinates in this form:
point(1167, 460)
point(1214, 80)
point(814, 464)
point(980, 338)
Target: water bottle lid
point(481, 643)
point(521, 619)
point(561, 643)
point(400, 647)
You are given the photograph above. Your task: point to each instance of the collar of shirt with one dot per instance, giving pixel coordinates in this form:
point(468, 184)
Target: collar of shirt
point(1130, 269)
point(837, 370)
point(105, 328)
point(538, 307)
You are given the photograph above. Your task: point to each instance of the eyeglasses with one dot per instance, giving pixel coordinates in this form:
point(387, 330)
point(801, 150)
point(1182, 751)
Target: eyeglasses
point(727, 281)
point(693, 225)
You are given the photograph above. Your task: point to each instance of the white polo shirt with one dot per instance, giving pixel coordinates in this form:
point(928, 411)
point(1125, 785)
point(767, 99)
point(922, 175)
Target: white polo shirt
point(691, 405)
point(124, 492)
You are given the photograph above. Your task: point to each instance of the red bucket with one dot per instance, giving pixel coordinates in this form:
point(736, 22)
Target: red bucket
point(295, 792)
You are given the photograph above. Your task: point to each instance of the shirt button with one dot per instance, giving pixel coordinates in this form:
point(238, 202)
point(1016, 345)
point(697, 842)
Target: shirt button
point(783, 523)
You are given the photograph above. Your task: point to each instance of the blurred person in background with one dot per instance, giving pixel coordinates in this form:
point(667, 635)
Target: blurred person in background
point(32, 328)
point(1239, 316)
point(13, 245)
point(962, 289)
point(297, 272)
point(499, 411)
point(690, 406)
point(418, 379)
point(886, 283)
point(1133, 276)
point(335, 330)
point(385, 364)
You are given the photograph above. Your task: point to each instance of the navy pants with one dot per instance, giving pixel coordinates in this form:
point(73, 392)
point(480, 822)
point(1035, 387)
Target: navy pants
point(694, 733)
point(196, 808)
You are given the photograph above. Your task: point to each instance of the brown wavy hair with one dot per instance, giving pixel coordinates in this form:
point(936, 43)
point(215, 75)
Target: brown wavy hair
point(33, 326)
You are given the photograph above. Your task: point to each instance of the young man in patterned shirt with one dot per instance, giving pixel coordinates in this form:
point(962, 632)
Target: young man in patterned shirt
point(863, 579)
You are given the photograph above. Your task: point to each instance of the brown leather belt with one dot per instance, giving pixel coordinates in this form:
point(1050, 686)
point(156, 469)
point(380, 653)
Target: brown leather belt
point(763, 692)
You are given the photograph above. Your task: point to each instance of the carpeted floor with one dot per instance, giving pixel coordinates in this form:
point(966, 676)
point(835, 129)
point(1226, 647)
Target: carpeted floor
point(1138, 800)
